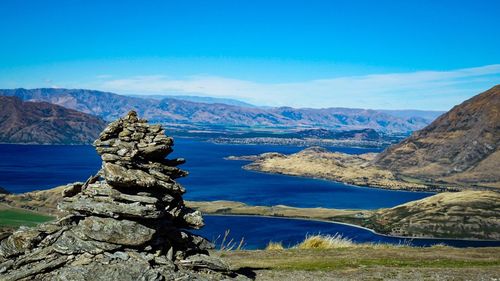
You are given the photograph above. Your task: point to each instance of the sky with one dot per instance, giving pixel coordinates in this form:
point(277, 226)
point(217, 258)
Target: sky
point(379, 54)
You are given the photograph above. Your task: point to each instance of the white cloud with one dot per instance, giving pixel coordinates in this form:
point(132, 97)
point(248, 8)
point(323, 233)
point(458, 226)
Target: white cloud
point(438, 90)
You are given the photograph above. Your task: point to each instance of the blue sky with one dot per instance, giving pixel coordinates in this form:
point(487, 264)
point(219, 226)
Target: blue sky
point(368, 54)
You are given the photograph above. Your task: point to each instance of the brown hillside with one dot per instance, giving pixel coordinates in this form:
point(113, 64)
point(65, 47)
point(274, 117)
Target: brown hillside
point(45, 123)
point(461, 146)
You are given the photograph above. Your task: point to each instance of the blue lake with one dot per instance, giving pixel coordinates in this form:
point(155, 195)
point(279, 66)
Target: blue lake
point(33, 167)
point(30, 167)
point(258, 231)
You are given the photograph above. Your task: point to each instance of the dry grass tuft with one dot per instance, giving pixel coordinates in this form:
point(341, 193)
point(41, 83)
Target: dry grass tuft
point(325, 242)
point(337, 241)
point(273, 246)
point(228, 244)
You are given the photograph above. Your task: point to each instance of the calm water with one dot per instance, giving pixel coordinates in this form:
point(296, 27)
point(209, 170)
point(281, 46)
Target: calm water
point(258, 231)
point(29, 167)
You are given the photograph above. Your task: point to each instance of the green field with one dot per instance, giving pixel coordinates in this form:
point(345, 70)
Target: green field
point(16, 217)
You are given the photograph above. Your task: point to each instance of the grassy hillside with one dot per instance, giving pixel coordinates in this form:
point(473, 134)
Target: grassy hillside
point(11, 217)
point(466, 214)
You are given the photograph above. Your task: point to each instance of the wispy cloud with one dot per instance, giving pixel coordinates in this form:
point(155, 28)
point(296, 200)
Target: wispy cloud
point(438, 90)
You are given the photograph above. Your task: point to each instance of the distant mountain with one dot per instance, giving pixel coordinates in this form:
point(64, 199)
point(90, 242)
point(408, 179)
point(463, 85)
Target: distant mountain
point(45, 123)
point(209, 100)
point(174, 111)
point(461, 146)
point(430, 115)
point(109, 106)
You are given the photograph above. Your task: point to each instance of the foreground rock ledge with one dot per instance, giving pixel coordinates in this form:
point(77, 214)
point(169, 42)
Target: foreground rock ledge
point(126, 223)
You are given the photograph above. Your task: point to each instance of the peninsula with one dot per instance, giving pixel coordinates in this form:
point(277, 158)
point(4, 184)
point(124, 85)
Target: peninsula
point(460, 150)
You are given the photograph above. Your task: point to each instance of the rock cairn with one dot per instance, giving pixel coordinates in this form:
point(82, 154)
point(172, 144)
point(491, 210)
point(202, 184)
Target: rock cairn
point(125, 223)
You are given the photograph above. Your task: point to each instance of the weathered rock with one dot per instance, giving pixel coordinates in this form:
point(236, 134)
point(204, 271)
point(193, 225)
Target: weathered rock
point(191, 218)
point(108, 207)
point(38, 254)
point(83, 259)
point(117, 175)
point(72, 189)
point(69, 243)
point(122, 232)
point(184, 241)
point(111, 269)
point(204, 261)
point(49, 263)
point(108, 157)
point(120, 176)
point(104, 190)
point(20, 242)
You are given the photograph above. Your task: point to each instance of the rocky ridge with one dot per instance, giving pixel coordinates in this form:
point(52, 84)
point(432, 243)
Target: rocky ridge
point(125, 223)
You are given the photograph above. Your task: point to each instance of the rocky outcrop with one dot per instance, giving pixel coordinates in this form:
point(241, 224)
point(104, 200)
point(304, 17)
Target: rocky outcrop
point(126, 223)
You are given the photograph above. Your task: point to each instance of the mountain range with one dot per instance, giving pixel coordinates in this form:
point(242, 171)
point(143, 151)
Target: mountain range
point(45, 123)
point(201, 99)
point(462, 146)
point(110, 106)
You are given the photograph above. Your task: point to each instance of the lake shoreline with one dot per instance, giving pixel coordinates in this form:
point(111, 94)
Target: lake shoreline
point(320, 163)
point(353, 225)
point(363, 219)
point(428, 190)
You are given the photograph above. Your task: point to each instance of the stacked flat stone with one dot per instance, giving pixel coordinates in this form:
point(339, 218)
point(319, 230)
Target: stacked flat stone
point(125, 223)
point(139, 183)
